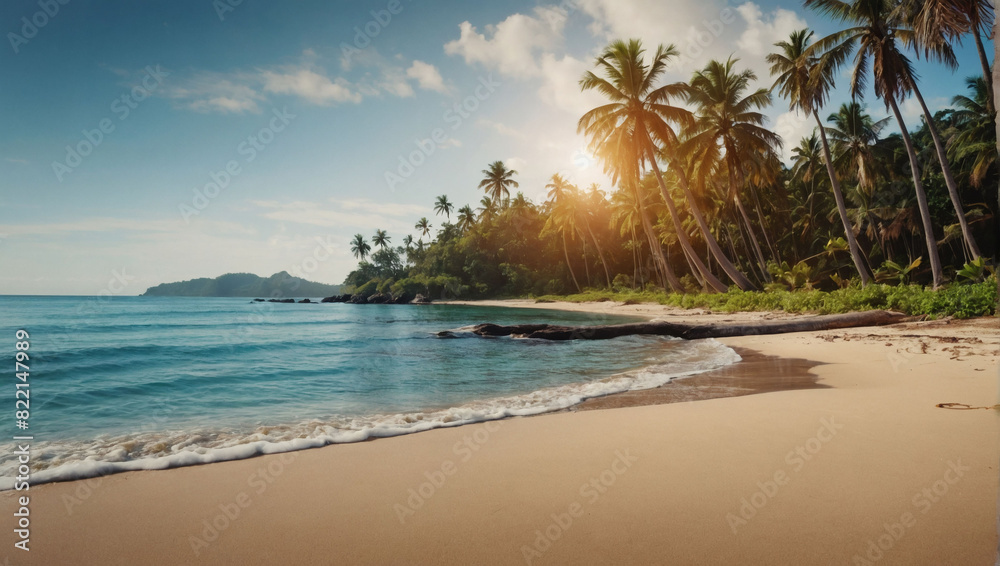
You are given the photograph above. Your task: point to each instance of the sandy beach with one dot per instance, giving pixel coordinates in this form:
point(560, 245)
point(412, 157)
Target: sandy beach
point(855, 464)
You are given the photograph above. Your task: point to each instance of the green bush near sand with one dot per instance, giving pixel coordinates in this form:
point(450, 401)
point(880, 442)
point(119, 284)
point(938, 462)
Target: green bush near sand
point(959, 301)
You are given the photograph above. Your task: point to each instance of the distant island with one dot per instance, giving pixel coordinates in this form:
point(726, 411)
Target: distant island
point(279, 285)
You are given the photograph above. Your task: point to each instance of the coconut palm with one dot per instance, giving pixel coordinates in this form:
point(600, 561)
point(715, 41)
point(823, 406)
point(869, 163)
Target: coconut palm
point(408, 243)
point(487, 209)
point(805, 79)
point(876, 31)
point(381, 239)
point(424, 226)
point(466, 218)
point(360, 247)
point(730, 129)
point(975, 137)
point(594, 200)
point(497, 182)
point(442, 206)
point(562, 218)
point(938, 24)
point(855, 137)
point(624, 134)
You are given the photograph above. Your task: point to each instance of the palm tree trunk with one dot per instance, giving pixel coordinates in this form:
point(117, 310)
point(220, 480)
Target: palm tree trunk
point(741, 280)
point(667, 276)
point(985, 62)
point(925, 212)
point(682, 238)
point(586, 262)
point(568, 266)
point(763, 226)
point(600, 254)
point(949, 179)
point(852, 242)
point(761, 262)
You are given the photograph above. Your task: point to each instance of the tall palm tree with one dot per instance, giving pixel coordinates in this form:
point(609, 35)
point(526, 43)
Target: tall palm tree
point(497, 181)
point(562, 218)
point(408, 242)
point(424, 226)
point(875, 30)
point(938, 24)
point(855, 137)
point(360, 247)
point(381, 239)
point(625, 134)
point(487, 209)
point(466, 218)
point(806, 79)
point(593, 200)
point(442, 206)
point(975, 137)
point(730, 122)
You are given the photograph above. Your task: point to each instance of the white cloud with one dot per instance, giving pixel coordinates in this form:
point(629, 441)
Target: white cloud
point(512, 44)
point(502, 129)
point(761, 33)
point(310, 85)
point(427, 76)
point(216, 92)
point(16, 160)
point(913, 113)
point(561, 85)
point(792, 127)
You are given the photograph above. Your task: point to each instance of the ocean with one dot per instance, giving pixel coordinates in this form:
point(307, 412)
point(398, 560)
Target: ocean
point(130, 383)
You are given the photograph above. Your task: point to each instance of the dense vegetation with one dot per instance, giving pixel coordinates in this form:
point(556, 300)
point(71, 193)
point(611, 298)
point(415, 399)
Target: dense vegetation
point(279, 285)
point(704, 213)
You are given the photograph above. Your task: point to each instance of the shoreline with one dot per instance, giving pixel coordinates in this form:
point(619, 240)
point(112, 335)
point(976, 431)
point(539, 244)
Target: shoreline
point(784, 478)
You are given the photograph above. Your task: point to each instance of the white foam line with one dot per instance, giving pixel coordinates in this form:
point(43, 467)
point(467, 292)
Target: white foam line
point(87, 461)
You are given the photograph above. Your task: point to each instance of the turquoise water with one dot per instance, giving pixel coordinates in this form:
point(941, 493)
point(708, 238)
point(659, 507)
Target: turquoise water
point(144, 382)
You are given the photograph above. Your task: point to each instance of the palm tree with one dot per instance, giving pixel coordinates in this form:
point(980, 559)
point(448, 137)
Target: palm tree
point(806, 80)
point(442, 206)
point(855, 136)
point(625, 133)
point(595, 199)
point(424, 226)
point(562, 218)
point(408, 242)
point(381, 239)
point(727, 120)
point(360, 247)
point(487, 209)
point(976, 135)
point(466, 218)
point(497, 182)
point(875, 31)
point(938, 24)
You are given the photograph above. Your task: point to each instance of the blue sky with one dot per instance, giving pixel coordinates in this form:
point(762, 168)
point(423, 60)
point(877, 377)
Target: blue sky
point(309, 105)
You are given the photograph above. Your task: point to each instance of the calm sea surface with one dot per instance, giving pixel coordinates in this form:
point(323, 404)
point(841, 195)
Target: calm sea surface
point(144, 382)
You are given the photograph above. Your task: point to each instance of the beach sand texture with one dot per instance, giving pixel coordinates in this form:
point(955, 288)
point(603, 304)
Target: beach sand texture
point(863, 469)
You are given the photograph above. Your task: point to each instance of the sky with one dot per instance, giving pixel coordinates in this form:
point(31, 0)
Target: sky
point(149, 142)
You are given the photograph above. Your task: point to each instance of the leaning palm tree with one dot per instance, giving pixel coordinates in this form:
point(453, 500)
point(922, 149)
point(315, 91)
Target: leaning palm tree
point(381, 239)
point(442, 206)
point(497, 182)
point(360, 247)
point(424, 226)
point(806, 79)
point(625, 135)
point(594, 201)
point(466, 218)
point(562, 216)
point(408, 243)
point(730, 128)
point(875, 30)
point(939, 24)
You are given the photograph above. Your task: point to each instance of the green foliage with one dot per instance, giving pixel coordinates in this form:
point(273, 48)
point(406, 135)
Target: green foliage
point(975, 271)
point(892, 271)
point(959, 301)
point(368, 289)
point(622, 283)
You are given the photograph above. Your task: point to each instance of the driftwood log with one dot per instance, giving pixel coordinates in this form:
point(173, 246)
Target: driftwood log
point(693, 331)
